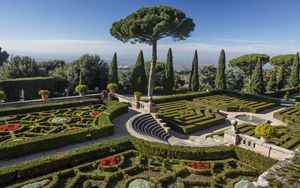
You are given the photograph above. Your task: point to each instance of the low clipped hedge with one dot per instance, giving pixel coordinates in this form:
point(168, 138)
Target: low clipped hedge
point(48, 164)
point(259, 162)
point(46, 106)
point(282, 92)
point(102, 126)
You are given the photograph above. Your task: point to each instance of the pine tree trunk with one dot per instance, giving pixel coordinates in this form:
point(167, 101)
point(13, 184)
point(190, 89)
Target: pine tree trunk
point(152, 70)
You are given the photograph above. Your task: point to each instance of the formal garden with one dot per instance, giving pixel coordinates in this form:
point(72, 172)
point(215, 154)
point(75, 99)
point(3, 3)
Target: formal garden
point(124, 163)
point(40, 129)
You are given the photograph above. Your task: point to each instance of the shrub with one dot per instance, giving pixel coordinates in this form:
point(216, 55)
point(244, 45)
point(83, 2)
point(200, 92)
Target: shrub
point(265, 130)
point(138, 95)
point(81, 88)
point(2, 96)
point(43, 92)
point(112, 87)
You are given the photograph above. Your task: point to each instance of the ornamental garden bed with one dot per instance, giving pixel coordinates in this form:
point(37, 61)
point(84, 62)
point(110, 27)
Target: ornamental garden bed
point(80, 168)
point(291, 116)
point(37, 131)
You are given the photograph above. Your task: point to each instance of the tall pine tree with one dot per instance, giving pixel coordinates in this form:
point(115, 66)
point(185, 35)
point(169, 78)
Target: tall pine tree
point(220, 81)
point(138, 77)
point(195, 75)
point(114, 70)
point(257, 80)
point(294, 79)
point(169, 73)
point(191, 76)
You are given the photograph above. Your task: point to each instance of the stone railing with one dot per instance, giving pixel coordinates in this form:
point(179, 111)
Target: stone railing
point(256, 145)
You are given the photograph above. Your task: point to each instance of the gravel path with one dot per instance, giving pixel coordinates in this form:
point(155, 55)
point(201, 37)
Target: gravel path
point(120, 130)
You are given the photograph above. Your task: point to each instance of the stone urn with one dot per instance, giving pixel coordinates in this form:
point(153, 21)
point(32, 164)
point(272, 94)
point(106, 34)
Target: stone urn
point(264, 139)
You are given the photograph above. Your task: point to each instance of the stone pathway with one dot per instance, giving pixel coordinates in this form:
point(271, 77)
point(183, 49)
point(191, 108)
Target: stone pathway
point(119, 131)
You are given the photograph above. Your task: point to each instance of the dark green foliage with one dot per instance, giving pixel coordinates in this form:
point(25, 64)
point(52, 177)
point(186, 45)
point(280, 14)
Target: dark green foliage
point(138, 77)
point(281, 80)
point(45, 67)
point(19, 67)
point(248, 62)
point(114, 70)
point(191, 76)
point(95, 72)
point(150, 24)
point(195, 75)
point(207, 75)
point(234, 79)
point(272, 85)
point(282, 60)
point(220, 81)
point(3, 56)
point(31, 87)
point(294, 79)
point(257, 81)
point(169, 73)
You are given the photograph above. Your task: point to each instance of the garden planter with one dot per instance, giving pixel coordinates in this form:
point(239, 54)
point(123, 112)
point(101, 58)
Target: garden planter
point(264, 139)
point(45, 98)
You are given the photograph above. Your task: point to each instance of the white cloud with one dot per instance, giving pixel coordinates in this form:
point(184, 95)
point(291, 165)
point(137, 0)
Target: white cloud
point(183, 51)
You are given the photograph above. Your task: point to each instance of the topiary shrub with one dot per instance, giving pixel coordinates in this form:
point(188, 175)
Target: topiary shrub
point(112, 87)
point(2, 96)
point(265, 131)
point(81, 89)
point(138, 95)
point(44, 94)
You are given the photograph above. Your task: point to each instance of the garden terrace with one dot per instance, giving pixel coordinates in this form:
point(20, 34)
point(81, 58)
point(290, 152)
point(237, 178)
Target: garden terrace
point(231, 102)
point(184, 117)
point(37, 131)
point(291, 116)
point(81, 168)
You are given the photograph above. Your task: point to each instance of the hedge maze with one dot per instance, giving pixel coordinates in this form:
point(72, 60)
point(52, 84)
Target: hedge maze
point(291, 116)
point(183, 117)
point(87, 170)
point(235, 103)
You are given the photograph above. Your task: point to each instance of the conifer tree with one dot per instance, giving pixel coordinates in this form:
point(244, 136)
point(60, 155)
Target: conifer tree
point(257, 80)
point(138, 77)
point(191, 76)
point(195, 74)
point(220, 81)
point(272, 85)
point(280, 79)
point(169, 73)
point(114, 70)
point(294, 79)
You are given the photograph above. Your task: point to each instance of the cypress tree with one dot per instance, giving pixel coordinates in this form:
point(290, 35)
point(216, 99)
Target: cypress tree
point(195, 74)
point(114, 70)
point(220, 81)
point(280, 78)
point(169, 74)
point(191, 76)
point(272, 85)
point(294, 79)
point(257, 80)
point(138, 77)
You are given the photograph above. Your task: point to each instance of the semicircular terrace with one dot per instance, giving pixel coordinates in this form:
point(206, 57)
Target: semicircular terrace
point(145, 126)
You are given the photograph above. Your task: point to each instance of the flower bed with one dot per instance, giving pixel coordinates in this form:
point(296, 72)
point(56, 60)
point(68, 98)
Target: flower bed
point(111, 163)
point(10, 127)
point(95, 114)
point(200, 165)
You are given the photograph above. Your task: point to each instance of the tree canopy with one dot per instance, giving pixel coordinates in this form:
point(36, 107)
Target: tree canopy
point(257, 80)
point(294, 79)
point(247, 62)
point(148, 25)
point(169, 72)
point(195, 74)
point(220, 81)
point(138, 77)
point(113, 75)
point(282, 60)
point(3, 56)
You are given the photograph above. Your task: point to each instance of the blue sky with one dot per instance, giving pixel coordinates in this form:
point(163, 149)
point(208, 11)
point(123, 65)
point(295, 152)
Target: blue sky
point(68, 28)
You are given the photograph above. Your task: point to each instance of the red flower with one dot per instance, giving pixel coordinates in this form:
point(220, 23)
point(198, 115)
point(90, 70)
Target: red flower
point(9, 127)
point(110, 161)
point(95, 114)
point(200, 165)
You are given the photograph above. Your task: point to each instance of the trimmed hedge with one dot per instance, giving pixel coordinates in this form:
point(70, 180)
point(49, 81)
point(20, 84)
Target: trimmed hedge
point(102, 127)
point(46, 106)
point(42, 166)
point(31, 87)
point(281, 93)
